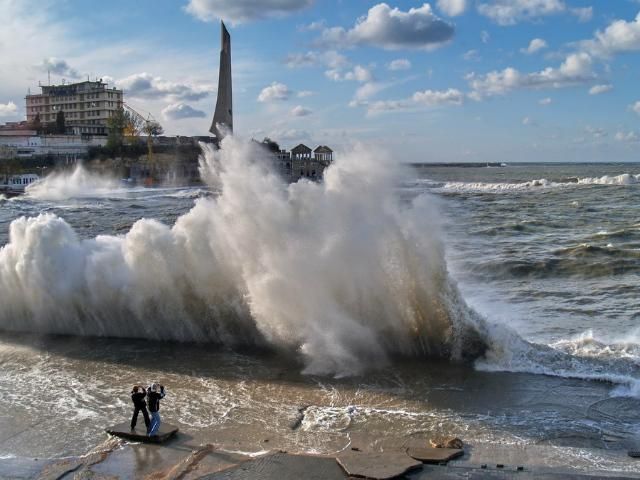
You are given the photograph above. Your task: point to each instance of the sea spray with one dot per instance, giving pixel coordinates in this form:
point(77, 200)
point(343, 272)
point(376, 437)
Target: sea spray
point(75, 183)
point(340, 271)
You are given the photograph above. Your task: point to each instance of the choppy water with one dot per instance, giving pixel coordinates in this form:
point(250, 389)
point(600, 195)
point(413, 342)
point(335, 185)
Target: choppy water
point(550, 251)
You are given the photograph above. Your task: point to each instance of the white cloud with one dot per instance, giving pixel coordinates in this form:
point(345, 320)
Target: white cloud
point(628, 137)
point(635, 107)
point(240, 11)
point(366, 91)
point(426, 98)
point(485, 36)
point(545, 101)
point(311, 27)
point(598, 89)
point(145, 85)
point(452, 8)
point(583, 14)
point(8, 109)
point(510, 12)
point(526, 121)
point(435, 97)
point(331, 59)
point(300, 111)
point(399, 64)
point(358, 73)
point(289, 135)
point(575, 70)
point(57, 66)
point(471, 56)
point(179, 111)
point(535, 45)
point(620, 36)
point(391, 28)
point(275, 91)
point(596, 132)
point(305, 93)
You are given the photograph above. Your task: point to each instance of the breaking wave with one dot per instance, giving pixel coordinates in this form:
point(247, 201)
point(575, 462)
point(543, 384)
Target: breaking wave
point(343, 273)
point(76, 184)
point(542, 183)
point(582, 357)
point(340, 271)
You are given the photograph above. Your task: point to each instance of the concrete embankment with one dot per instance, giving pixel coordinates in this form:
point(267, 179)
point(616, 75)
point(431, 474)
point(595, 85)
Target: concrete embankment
point(182, 459)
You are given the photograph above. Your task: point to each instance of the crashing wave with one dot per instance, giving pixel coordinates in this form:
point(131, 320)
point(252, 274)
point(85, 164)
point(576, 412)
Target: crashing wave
point(79, 183)
point(582, 357)
point(341, 271)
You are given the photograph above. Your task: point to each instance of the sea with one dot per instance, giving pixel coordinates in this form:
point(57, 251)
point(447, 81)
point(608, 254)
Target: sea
point(388, 303)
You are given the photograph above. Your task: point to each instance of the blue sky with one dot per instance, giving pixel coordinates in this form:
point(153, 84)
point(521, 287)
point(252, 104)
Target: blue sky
point(446, 80)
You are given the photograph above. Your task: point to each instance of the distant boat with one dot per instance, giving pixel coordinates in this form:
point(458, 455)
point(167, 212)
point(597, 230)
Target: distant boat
point(223, 116)
point(13, 185)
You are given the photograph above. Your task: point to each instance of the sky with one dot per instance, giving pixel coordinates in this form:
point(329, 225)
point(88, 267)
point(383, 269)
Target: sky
point(438, 81)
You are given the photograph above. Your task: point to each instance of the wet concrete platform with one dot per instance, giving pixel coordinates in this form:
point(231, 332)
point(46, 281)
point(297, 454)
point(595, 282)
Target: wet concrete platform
point(434, 455)
point(377, 465)
point(139, 434)
point(181, 458)
point(283, 466)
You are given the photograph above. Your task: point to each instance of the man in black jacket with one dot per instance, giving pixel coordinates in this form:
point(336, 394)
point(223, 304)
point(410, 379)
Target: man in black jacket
point(155, 393)
point(139, 405)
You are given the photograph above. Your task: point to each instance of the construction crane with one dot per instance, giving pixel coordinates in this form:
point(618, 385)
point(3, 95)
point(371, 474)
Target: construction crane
point(150, 127)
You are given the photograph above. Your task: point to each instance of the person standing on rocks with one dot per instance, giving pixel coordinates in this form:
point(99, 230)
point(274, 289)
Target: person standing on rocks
point(139, 405)
point(155, 393)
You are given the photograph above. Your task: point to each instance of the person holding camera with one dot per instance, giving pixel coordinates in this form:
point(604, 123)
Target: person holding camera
point(138, 395)
point(154, 394)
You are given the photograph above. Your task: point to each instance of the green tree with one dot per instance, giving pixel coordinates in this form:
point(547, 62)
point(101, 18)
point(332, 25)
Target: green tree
point(152, 128)
point(123, 125)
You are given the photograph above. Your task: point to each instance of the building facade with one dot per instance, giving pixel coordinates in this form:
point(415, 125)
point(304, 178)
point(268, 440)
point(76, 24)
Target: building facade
point(87, 106)
point(303, 162)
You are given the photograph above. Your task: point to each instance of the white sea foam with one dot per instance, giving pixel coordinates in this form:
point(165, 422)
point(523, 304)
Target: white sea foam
point(581, 357)
point(495, 187)
point(338, 271)
point(624, 179)
point(76, 184)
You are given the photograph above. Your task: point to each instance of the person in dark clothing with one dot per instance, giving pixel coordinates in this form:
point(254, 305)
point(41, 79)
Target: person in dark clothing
point(155, 393)
point(139, 405)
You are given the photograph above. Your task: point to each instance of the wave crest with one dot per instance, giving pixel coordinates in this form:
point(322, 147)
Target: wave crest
point(542, 183)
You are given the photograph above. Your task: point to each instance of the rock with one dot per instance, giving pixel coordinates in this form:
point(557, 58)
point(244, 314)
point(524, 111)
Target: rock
point(384, 465)
point(434, 455)
point(448, 442)
point(634, 453)
point(299, 417)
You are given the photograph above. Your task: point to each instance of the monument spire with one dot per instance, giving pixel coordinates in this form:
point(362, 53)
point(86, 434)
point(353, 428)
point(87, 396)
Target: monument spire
point(223, 116)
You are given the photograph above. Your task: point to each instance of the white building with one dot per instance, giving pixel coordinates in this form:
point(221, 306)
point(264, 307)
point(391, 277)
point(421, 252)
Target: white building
point(69, 148)
point(86, 105)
